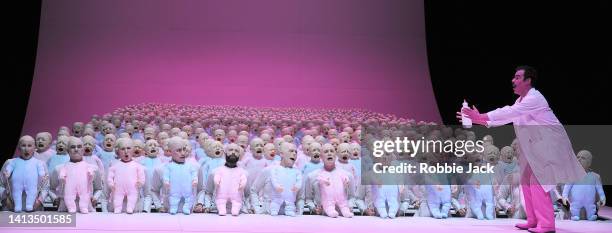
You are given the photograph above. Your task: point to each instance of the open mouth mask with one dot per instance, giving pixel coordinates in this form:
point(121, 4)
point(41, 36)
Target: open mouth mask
point(507, 154)
point(26, 147)
point(328, 156)
point(61, 145)
point(89, 145)
point(344, 153)
point(491, 154)
point(43, 141)
point(124, 149)
point(77, 129)
point(315, 152)
point(109, 142)
point(217, 149)
point(151, 148)
point(219, 135)
point(269, 151)
point(288, 154)
point(257, 147)
point(355, 150)
point(138, 148)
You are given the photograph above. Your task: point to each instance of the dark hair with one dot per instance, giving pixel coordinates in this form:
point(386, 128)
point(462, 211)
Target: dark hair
point(530, 73)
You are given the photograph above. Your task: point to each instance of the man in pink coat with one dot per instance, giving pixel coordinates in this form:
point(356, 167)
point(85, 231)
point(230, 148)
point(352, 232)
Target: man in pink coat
point(547, 157)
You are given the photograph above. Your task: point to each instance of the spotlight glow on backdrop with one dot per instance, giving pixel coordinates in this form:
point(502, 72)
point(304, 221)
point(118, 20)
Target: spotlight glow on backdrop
point(96, 56)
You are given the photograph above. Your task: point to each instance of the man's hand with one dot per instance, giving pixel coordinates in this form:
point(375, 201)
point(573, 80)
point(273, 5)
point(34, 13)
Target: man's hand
point(279, 189)
point(294, 189)
point(474, 115)
point(167, 186)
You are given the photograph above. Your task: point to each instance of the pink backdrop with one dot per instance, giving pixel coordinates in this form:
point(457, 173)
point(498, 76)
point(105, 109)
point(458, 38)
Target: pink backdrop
point(95, 56)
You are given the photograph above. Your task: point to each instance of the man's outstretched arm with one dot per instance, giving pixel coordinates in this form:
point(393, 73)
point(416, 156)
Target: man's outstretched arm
point(474, 115)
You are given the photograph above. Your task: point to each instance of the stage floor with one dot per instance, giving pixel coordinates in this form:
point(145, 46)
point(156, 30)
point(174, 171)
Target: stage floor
point(159, 223)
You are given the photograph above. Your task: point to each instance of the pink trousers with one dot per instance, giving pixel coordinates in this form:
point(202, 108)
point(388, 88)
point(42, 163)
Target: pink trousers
point(538, 205)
